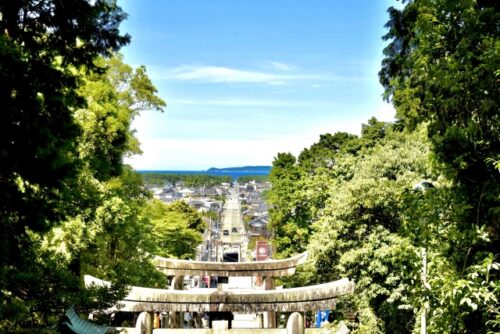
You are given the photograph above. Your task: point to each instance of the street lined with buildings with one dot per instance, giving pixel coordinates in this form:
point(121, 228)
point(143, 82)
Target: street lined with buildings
point(232, 230)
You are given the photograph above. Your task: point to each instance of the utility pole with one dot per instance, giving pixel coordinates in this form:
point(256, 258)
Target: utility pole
point(423, 315)
point(422, 188)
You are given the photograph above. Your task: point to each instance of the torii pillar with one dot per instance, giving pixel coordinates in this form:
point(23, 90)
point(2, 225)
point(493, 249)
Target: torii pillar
point(176, 319)
point(295, 324)
point(269, 316)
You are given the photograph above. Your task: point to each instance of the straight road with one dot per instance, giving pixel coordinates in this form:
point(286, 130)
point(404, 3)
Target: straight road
point(232, 218)
point(232, 234)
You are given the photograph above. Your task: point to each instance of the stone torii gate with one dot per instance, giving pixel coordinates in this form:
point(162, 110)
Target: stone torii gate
point(269, 268)
point(266, 269)
point(175, 300)
point(321, 296)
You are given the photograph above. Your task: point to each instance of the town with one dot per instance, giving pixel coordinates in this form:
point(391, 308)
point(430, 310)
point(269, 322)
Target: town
point(209, 202)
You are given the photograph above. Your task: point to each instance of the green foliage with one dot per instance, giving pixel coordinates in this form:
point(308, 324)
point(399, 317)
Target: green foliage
point(114, 98)
point(355, 196)
point(357, 208)
point(300, 188)
point(323, 153)
point(38, 45)
point(45, 49)
point(356, 233)
point(288, 216)
point(441, 69)
point(190, 180)
point(120, 244)
point(175, 227)
point(190, 215)
point(68, 206)
point(106, 237)
point(366, 222)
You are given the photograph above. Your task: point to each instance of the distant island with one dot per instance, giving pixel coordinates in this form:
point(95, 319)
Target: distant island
point(258, 169)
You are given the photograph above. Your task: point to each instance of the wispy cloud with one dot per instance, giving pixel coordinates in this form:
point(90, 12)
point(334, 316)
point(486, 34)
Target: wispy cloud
point(232, 102)
point(281, 66)
point(217, 74)
point(278, 74)
point(220, 74)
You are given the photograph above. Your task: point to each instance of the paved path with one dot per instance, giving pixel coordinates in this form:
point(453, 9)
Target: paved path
point(232, 218)
point(232, 230)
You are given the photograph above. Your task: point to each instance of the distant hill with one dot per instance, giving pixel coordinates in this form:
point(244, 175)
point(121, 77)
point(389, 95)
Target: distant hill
point(248, 169)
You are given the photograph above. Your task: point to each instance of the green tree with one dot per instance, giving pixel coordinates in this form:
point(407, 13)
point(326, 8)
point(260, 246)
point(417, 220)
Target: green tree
point(188, 214)
point(357, 233)
point(459, 296)
point(324, 152)
point(175, 228)
point(441, 69)
point(300, 188)
point(190, 180)
point(117, 242)
point(39, 42)
point(114, 98)
point(41, 45)
point(105, 236)
point(288, 216)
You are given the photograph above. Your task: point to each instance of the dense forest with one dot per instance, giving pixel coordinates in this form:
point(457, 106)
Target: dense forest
point(68, 204)
point(188, 180)
point(409, 210)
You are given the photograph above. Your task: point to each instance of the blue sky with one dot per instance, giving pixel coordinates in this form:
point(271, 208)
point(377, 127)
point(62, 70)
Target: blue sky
point(246, 79)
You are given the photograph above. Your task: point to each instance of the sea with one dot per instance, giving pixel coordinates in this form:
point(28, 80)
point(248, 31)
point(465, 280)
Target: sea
point(235, 174)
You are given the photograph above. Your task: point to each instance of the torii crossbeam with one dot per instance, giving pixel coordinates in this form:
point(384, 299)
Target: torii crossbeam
point(322, 296)
point(269, 268)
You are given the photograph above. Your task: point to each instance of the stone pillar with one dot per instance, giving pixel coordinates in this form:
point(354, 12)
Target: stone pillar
point(295, 324)
point(176, 318)
point(144, 324)
point(269, 316)
point(269, 283)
